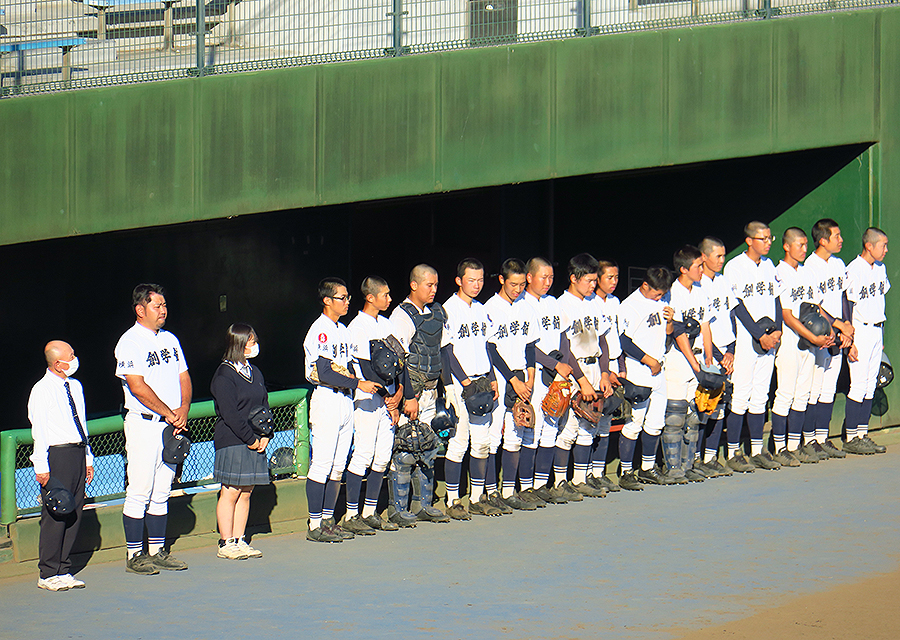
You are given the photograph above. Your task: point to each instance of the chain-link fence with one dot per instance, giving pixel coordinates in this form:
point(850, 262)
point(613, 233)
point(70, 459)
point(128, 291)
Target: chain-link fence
point(51, 45)
point(288, 453)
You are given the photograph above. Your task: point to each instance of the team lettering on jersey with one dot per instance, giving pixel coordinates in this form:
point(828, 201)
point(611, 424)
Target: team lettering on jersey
point(870, 291)
point(468, 330)
point(759, 289)
point(653, 320)
point(514, 328)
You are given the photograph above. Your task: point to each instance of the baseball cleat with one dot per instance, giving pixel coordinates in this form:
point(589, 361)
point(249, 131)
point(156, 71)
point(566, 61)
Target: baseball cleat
point(764, 460)
point(403, 519)
point(879, 448)
point(432, 514)
point(832, 450)
point(484, 508)
point(376, 522)
point(530, 495)
point(700, 468)
point(629, 481)
point(497, 500)
point(321, 534)
point(739, 463)
point(603, 482)
point(806, 455)
point(458, 510)
point(164, 560)
point(655, 476)
point(519, 504)
point(694, 476)
point(356, 526)
point(588, 491)
point(548, 494)
point(335, 528)
point(786, 459)
point(819, 450)
point(567, 490)
point(141, 565)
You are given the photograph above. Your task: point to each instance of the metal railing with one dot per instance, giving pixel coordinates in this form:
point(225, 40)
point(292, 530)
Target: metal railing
point(288, 450)
point(52, 45)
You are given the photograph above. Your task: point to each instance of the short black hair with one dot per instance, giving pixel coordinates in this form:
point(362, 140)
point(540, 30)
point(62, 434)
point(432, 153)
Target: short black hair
point(142, 293)
point(582, 265)
point(468, 263)
point(684, 257)
point(821, 230)
point(372, 285)
point(709, 243)
point(512, 266)
point(236, 338)
point(328, 287)
point(658, 277)
point(536, 263)
point(792, 233)
point(872, 235)
point(603, 265)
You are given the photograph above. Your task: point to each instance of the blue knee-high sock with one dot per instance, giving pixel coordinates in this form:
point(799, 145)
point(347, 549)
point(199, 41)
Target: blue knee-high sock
point(809, 423)
point(452, 474)
point(315, 498)
point(490, 474)
point(734, 424)
point(526, 467)
point(779, 431)
point(354, 488)
point(134, 534)
point(477, 471)
point(626, 452)
point(332, 489)
point(156, 531)
point(598, 457)
point(865, 414)
point(581, 455)
point(560, 465)
point(852, 412)
point(795, 428)
point(713, 435)
point(542, 464)
point(373, 487)
point(823, 420)
point(510, 465)
point(648, 450)
point(755, 424)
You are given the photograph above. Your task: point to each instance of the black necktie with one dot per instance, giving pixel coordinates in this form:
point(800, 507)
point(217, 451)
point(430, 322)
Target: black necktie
point(75, 413)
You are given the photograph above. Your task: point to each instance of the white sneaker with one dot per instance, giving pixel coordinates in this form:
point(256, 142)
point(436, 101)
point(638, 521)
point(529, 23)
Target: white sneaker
point(230, 551)
point(53, 583)
point(248, 550)
point(71, 581)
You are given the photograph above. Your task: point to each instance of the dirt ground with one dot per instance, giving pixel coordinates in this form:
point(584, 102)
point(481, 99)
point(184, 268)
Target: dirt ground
point(866, 609)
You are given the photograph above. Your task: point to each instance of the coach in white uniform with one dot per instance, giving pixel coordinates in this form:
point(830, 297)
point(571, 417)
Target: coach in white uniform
point(157, 387)
point(867, 284)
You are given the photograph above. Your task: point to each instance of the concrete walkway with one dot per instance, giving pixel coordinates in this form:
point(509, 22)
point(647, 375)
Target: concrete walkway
point(633, 565)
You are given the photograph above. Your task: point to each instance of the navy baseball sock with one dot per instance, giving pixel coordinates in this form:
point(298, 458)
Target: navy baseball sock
point(734, 424)
point(795, 428)
point(755, 423)
point(354, 488)
point(490, 477)
point(851, 418)
point(526, 468)
point(626, 452)
point(809, 423)
point(713, 436)
point(332, 489)
point(560, 464)
point(315, 497)
point(156, 532)
point(865, 413)
point(582, 457)
point(542, 464)
point(779, 431)
point(598, 457)
point(823, 420)
point(373, 490)
point(648, 450)
point(510, 465)
point(477, 471)
point(452, 473)
point(134, 535)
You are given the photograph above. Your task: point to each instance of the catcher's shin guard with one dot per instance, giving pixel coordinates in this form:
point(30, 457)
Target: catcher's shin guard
point(399, 478)
point(673, 435)
point(691, 439)
point(422, 483)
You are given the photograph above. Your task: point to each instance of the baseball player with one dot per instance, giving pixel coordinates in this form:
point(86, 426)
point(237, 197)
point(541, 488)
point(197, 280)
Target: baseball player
point(587, 342)
point(467, 356)
point(867, 284)
point(607, 281)
point(554, 356)
point(721, 325)
point(681, 433)
point(646, 321)
point(374, 415)
point(419, 326)
point(512, 335)
point(155, 378)
point(793, 365)
point(757, 313)
point(327, 343)
point(828, 274)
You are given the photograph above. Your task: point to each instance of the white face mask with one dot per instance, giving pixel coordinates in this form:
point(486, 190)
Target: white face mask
point(254, 351)
point(73, 367)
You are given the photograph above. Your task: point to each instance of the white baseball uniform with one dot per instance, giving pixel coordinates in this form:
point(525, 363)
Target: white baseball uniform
point(330, 409)
point(754, 285)
point(793, 366)
point(720, 295)
point(681, 383)
point(866, 287)
point(829, 282)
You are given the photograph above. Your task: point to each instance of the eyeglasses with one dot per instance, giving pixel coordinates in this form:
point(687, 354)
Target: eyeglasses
point(341, 298)
point(768, 239)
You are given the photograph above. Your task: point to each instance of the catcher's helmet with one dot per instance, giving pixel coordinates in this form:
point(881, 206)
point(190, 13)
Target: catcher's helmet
point(710, 380)
point(445, 420)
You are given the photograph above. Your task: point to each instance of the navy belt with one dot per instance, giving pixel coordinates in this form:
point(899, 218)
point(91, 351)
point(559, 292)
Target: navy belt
point(152, 416)
point(874, 324)
point(345, 392)
point(589, 359)
point(68, 445)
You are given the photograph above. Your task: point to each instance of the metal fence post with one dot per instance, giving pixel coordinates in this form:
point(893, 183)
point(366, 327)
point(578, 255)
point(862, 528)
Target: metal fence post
point(397, 27)
point(584, 17)
point(201, 36)
point(8, 478)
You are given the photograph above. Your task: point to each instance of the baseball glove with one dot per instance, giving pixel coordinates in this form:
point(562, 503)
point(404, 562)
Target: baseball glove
point(314, 376)
point(557, 399)
point(707, 400)
point(590, 411)
point(523, 414)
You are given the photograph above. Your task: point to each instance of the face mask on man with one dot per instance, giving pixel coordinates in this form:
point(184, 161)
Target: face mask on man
point(73, 367)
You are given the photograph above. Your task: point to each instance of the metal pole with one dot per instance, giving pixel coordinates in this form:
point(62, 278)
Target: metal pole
point(585, 6)
point(397, 27)
point(201, 36)
point(8, 443)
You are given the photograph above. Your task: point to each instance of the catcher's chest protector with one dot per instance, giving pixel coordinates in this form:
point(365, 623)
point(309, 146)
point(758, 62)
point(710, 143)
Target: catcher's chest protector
point(425, 346)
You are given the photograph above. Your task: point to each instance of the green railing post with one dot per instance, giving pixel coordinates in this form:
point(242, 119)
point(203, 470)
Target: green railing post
point(302, 450)
point(8, 444)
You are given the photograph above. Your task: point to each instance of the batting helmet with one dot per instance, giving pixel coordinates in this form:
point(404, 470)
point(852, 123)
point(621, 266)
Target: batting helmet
point(768, 326)
point(58, 500)
point(885, 373)
point(711, 380)
point(445, 420)
point(635, 394)
point(691, 328)
point(812, 319)
point(385, 361)
point(175, 448)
